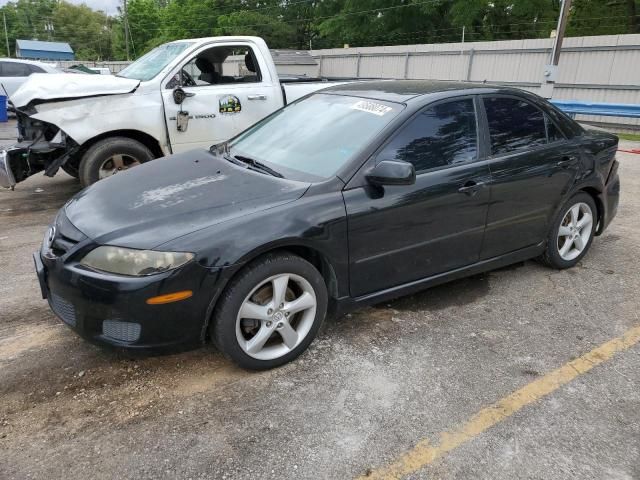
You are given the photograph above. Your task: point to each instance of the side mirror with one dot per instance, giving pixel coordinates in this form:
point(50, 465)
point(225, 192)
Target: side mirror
point(179, 95)
point(392, 172)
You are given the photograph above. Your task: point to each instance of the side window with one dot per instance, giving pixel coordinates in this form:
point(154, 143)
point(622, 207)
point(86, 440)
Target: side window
point(553, 134)
point(35, 69)
point(440, 136)
point(219, 66)
point(514, 124)
point(11, 69)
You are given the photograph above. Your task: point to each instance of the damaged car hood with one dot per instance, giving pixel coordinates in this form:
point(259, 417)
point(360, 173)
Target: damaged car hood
point(173, 196)
point(42, 87)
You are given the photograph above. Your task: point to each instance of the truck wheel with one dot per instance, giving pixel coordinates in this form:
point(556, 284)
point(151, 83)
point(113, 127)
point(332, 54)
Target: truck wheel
point(110, 156)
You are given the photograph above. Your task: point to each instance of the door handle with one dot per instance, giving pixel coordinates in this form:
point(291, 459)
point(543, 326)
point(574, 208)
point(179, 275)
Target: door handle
point(258, 96)
point(566, 162)
point(471, 187)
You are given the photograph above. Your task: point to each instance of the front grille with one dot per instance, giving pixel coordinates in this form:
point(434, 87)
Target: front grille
point(63, 309)
point(123, 331)
point(66, 236)
point(61, 245)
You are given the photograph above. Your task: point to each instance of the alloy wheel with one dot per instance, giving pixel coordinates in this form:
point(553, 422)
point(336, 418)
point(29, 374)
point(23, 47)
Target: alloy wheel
point(575, 231)
point(276, 316)
point(116, 163)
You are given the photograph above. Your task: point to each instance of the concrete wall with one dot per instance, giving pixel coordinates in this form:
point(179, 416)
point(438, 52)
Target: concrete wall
point(600, 69)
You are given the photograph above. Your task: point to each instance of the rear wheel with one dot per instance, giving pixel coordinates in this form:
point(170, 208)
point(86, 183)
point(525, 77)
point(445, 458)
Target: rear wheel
point(110, 156)
point(572, 232)
point(270, 313)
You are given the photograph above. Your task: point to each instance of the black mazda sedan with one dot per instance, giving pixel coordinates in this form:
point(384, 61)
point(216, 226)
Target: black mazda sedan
point(348, 197)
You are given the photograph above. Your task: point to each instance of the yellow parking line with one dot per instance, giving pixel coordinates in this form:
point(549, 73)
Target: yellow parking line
point(425, 453)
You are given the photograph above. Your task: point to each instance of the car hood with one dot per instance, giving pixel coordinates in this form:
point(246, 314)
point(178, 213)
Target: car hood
point(42, 87)
point(173, 196)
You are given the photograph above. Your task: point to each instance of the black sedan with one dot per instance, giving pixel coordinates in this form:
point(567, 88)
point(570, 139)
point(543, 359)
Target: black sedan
point(348, 197)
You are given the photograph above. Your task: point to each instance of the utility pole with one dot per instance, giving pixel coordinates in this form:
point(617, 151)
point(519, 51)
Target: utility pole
point(6, 34)
point(462, 53)
point(126, 30)
point(551, 70)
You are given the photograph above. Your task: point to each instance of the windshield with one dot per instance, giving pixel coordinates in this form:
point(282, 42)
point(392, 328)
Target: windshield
point(149, 65)
point(316, 136)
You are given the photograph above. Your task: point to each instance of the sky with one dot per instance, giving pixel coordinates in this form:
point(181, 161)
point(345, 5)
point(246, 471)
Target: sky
point(109, 6)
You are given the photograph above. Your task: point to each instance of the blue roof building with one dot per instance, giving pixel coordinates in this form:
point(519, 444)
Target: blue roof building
point(37, 50)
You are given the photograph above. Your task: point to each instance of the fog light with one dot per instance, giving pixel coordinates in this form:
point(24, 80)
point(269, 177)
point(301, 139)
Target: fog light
point(123, 331)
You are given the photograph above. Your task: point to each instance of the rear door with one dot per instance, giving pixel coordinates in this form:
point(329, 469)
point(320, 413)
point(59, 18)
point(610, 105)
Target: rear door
point(225, 97)
point(398, 234)
point(532, 166)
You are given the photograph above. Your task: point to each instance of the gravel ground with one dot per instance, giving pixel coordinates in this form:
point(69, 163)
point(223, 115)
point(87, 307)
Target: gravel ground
point(372, 385)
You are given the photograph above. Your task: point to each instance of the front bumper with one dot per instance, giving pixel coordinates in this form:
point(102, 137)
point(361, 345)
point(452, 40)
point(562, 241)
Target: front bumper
point(112, 310)
point(610, 198)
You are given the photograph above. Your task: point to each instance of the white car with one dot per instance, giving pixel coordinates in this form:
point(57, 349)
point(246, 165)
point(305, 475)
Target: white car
point(14, 72)
point(100, 70)
point(181, 95)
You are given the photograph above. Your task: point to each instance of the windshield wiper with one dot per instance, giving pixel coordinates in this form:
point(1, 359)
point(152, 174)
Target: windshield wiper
point(256, 165)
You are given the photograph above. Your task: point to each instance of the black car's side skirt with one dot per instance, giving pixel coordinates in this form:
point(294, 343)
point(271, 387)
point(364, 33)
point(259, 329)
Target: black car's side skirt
point(347, 304)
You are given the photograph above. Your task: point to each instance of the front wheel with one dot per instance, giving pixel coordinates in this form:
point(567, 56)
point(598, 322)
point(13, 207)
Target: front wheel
point(572, 232)
point(111, 156)
point(271, 312)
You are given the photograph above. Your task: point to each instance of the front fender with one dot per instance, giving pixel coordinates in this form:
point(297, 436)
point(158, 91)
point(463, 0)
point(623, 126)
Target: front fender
point(86, 118)
point(317, 222)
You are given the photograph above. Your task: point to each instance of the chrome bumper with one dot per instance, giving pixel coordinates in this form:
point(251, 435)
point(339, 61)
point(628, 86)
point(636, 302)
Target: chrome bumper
point(7, 180)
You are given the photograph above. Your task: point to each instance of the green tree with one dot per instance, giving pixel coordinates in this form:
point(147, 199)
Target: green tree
point(598, 17)
point(86, 30)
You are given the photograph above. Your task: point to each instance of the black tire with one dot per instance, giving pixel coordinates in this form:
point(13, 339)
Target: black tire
point(551, 256)
point(101, 151)
point(223, 323)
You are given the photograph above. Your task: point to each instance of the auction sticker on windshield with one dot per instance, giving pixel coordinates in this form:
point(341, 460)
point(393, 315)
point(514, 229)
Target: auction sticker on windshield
point(371, 107)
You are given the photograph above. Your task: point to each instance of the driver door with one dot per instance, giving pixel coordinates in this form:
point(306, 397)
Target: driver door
point(224, 96)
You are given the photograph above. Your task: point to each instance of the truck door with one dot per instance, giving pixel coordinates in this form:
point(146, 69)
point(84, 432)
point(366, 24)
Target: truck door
point(229, 87)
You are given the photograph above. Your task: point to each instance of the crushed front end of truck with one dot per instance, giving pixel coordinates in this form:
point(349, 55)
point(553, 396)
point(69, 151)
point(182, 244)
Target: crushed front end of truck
point(41, 146)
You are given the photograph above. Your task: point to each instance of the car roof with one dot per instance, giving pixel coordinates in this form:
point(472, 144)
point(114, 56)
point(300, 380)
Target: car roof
point(21, 60)
point(408, 91)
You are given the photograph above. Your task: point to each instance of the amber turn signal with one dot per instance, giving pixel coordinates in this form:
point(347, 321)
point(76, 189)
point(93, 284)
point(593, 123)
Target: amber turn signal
point(170, 297)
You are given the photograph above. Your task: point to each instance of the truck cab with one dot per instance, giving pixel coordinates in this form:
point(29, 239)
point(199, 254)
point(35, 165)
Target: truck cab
point(182, 95)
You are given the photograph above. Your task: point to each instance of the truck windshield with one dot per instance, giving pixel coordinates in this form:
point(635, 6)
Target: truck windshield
point(316, 136)
point(149, 65)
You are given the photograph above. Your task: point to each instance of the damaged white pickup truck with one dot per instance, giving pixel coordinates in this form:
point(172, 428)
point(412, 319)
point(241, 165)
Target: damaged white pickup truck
point(181, 95)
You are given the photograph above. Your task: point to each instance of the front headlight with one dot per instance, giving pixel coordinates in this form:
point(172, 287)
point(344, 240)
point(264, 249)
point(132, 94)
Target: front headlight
point(127, 261)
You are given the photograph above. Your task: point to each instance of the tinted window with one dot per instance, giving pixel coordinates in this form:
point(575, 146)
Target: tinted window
point(442, 135)
point(10, 69)
point(514, 124)
point(553, 134)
